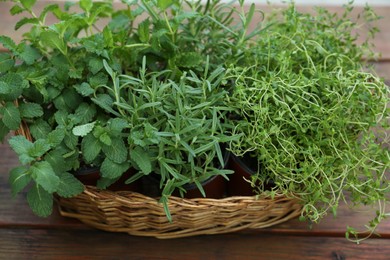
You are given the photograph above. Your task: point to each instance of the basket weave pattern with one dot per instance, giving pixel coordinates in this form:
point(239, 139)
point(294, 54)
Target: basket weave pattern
point(137, 214)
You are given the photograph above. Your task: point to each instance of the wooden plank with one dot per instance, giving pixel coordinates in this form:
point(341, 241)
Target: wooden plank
point(16, 213)
point(65, 244)
point(382, 41)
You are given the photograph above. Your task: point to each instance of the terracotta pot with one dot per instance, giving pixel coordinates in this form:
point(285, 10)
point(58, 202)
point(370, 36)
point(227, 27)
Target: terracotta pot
point(239, 183)
point(90, 176)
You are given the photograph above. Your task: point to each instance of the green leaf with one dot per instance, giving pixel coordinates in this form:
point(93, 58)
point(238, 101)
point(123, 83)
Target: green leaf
point(4, 88)
point(21, 146)
point(105, 102)
point(141, 159)
point(8, 43)
point(108, 39)
point(16, 9)
point(25, 21)
point(28, 4)
point(28, 54)
point(117, 151)
point(105, 139)
point(71, 141)
point(54, 40)
point(84, 113)
point(3, 131)
point(95, 65)
point(69, 186)
point(104, 183)
point(39, 148)
point(15, 84)
point(19, 178)
point(30, 110)
point(108, 68)
point(84, 89)
point(11, 116)
point(6, 62)
point(90, 147)
point(40, 129)
point(40, 201)
point(83, 130)
point(164, 4)
point(55, 137)
point(143, 31)
point(189, 60)
point(112, 170)
point(44, 175)
point(86, 5)
point(116, 125)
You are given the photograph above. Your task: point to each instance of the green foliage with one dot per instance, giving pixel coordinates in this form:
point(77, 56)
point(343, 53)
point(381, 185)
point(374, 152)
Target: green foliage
point(306, 108)
point(159, 86)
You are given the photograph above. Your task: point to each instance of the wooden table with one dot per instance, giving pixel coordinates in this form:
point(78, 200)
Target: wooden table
point(25, 236)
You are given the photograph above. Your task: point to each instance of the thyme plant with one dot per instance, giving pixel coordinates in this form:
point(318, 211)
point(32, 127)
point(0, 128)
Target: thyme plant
point(306, 109)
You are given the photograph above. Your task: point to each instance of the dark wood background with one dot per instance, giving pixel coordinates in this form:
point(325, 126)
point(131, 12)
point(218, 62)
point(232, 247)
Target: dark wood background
point(25, 236)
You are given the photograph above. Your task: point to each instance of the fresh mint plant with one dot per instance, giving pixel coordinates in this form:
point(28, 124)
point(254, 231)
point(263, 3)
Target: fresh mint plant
point(52, 81)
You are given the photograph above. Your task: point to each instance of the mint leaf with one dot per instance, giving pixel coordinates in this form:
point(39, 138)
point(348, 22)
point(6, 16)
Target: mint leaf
point(6, 62)
point(104, 183)
point(15, 83)
point(11, 116)
point(95, 65)
point(40, 129)
point(83, 130)
point(39, 148)
point(90, 147)
point(144, 31)
point(116, 125)
point(189, 60)
point(69, 186)
point(19, 178)
point(105, 139)
point(44, 175)
point(141, 158)
point(30, 110)
point(55, 137)
point(40, 201)
point(71, 141)
point(28, 54)
point(85, 113)
point(8, 43)
point(164, 4)
point(20, 144)
point(86, 5)
point(84, 89)
point(117, 151)
point(28, 4)
point(4, 88)
point(112, 170)
point(16, 9)
point(25, 21)
point(54, 40)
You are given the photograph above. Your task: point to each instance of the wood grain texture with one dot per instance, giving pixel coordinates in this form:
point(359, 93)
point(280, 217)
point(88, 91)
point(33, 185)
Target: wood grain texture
point(70, 244)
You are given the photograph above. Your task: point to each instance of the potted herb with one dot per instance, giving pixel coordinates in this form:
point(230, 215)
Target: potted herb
point(306, 108)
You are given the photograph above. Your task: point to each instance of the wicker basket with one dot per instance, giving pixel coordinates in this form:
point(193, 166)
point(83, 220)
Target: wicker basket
point(137, 214)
